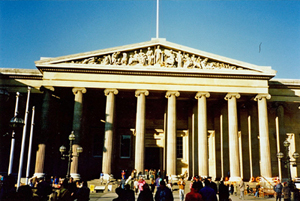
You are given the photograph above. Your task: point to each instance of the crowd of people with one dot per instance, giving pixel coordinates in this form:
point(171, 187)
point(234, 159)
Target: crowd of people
point(44, 189)
point(160, 187)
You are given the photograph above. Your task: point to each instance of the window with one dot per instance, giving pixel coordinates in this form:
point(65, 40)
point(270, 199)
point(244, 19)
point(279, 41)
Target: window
point(179, 147)
point(125, 146)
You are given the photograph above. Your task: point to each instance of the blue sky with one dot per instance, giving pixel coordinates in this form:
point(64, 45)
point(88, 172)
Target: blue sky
point(235, 29)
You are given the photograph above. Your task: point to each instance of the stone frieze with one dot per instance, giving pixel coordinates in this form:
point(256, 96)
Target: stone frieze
point(156, 56)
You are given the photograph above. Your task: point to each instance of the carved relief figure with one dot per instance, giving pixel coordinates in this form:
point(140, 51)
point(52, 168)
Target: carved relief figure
point(124, 59)
point(197, 63)
point(170, 58)
point(91, 60)
point(203, 63)
point(106, 60)
point(150, 57)
point(114, 58)
point(187, 61)
point(158, 55)
point(142, 58)
point(179, 59)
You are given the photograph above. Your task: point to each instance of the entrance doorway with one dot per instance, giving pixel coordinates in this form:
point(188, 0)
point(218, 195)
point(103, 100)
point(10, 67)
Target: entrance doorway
point(153, 158)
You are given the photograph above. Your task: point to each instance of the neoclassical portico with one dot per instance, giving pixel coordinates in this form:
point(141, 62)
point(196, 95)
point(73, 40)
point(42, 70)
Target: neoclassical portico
point(176, 107)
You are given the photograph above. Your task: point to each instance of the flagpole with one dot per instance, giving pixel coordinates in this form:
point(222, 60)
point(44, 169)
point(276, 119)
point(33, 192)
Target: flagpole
point(30, 146)
point(23, 140)
point(157, 18)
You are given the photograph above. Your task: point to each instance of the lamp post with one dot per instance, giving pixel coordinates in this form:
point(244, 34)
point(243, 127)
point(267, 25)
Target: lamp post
point(70, 155)
point(15, 122)
point(288, 160)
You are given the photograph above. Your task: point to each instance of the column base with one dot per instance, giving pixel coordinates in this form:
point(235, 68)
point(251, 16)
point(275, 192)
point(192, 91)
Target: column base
point(38, 175)
point(75, 176)
point(235, 179)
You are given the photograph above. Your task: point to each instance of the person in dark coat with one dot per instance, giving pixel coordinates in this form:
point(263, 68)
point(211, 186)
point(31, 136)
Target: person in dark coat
point(223, 192)
point(163, 193)
point(128, 194)
point(213, 185)
point(208, 194)
point(198, 184)
point(146, 194)
point(83, 193)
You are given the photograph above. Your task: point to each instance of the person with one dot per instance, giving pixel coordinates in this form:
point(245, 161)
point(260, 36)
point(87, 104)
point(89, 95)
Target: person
point(83, 193)
point(44, 188)
point(128, 194)
point(286, 192)
point(212, 184)
point(278, 190)
point(231, 188)
point(208, 193)
point(101, 177)
point(141, 183)
point(223, 192)
point(136, 186)
point(194, 195)
point(8, 190)
point(163, 193)
point(248, 189)
point(257, 190)
point(242, 189)
point(181, 185)
point(152, 186)
point(146, 194)
point(157, 181)
point(72, 186)
point(119, 192)
point(198, 183)
point(64, 194)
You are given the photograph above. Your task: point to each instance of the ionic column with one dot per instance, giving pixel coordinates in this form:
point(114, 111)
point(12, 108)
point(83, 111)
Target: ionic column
point(140, 129)
point(264, 141)
point(234, 159)
point(109, 126)
point(77, 121)
point(202, 133)
point(45, 132)
point(171, 132)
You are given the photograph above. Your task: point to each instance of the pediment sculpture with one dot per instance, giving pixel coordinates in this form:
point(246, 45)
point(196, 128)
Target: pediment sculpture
point(157, 56)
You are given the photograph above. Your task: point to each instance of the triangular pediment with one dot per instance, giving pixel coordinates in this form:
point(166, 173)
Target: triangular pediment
point(158, 54)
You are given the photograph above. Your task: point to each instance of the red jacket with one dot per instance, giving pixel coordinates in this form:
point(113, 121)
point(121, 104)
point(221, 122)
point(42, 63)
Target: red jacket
point(193, 196)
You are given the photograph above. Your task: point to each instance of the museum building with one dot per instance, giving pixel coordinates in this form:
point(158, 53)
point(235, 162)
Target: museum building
point(154, 104)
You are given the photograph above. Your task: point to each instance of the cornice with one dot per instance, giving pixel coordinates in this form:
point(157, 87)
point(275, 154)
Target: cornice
point(137, 72)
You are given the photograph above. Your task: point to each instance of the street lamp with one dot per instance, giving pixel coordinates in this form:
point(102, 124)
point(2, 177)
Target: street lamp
point(15, 122)
point(70, 155)
point(288, 160)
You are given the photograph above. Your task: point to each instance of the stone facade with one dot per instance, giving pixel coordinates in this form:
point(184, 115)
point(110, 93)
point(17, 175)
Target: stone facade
point(158, 105)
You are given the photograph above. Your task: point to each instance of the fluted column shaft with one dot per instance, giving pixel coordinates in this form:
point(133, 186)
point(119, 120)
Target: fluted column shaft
point(202, 133)
point(265, 155)
point(77, 121)
point(140, 130)
point(109, 128)
point(234, 159)
point(171, 132)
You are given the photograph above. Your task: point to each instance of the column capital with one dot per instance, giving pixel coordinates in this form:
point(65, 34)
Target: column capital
point(76, 89)
point(170, 93)
point(261, 96)
point(232, 95)
point(202, 93)
point(138, 92)
point(44, 88)
point(108, 91)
